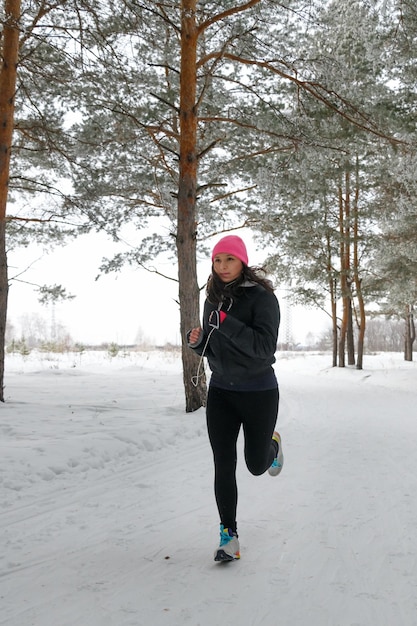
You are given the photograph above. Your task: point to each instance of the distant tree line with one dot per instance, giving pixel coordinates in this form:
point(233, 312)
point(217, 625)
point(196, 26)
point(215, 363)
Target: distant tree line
point(35, 332)
point(382, 335)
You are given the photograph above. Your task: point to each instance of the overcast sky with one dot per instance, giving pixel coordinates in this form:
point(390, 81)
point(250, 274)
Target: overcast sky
point(117, 307)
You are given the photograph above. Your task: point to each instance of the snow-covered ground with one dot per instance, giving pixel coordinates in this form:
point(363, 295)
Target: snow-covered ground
point(107, 513)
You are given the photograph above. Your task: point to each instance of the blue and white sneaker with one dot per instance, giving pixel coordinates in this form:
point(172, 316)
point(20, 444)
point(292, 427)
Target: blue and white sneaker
point(278, 462)
point(228, 549)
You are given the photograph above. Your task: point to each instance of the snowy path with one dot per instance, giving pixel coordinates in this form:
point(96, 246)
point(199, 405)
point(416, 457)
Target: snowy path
point(108, 516)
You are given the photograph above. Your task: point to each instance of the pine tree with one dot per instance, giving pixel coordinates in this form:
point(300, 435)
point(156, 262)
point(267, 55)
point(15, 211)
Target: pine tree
point(395, 259)
point(42, 48)
point(176, 147)
point(326, 190)
point(167, 151)
point(9, 52)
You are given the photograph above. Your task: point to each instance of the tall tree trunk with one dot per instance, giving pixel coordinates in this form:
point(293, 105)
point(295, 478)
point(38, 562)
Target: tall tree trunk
point(346, 328)
point(334, 323)
point(343, 278)
point(350, 336)
point(361, 336)
point(333, 299)
point(4, 286)
point(361, 321)
point(189, 295)
point(9, 57)
point(410, 334)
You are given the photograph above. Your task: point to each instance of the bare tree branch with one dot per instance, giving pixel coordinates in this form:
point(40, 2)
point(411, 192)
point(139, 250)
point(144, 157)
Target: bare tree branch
point(227, 13)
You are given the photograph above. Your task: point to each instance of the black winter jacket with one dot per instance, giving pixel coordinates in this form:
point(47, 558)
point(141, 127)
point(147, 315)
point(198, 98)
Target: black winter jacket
point(244, 345)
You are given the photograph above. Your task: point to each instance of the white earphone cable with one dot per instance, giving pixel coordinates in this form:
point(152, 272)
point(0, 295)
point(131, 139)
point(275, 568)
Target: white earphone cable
point(195, 379)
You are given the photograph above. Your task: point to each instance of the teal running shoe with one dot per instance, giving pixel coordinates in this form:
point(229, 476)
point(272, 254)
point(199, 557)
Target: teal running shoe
point(228, 549)
point(278, 462)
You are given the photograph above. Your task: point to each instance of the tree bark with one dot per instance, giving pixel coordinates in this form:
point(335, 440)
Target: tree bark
point(361, 322)
point(410, 334)
point(333, 299)
point(8, 71)
point(346, 330)
point(334, 323)
point(350, 334)
point(195, 395)
point(343, 278)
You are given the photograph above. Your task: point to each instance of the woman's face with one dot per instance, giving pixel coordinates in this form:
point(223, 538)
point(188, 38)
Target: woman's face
point(227, 267)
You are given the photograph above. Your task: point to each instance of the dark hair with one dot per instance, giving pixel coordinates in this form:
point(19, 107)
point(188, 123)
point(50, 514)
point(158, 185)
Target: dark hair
point(217, 290)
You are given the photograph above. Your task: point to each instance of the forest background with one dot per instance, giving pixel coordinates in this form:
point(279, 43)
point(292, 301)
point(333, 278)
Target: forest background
point(179, 121)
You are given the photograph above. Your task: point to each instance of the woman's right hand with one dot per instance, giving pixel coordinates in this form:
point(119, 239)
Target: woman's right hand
point(195, 335)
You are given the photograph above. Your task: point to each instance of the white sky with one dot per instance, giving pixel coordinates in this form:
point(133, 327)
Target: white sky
point(120, 306)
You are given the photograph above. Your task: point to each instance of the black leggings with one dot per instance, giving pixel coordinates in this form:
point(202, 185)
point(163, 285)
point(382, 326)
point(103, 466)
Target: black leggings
point(257, 412)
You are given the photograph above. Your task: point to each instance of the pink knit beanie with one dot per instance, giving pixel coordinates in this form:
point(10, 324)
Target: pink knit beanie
point(231, 245)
